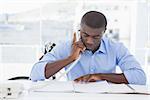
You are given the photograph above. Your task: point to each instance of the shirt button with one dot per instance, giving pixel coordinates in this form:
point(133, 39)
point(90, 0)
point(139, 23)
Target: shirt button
point(92, 69)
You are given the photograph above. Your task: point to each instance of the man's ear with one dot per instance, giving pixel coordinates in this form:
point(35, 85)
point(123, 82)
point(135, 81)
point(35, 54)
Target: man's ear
point(104, 30)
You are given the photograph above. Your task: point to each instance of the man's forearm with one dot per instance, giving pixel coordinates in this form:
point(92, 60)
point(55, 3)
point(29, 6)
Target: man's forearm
point(52, 68)
point(114, 78)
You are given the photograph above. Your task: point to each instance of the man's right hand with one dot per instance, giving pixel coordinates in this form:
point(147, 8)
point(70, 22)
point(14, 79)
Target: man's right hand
point(77, 48)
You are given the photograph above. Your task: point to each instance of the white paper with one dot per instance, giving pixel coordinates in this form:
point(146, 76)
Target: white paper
point(141, 88)
point(53, 86)
point(94, 87)
point(119, 88)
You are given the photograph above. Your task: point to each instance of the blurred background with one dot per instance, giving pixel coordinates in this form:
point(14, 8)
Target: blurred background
point(27, 25)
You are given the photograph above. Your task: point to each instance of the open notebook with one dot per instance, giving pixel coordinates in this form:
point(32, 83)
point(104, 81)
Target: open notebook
point(95, 87)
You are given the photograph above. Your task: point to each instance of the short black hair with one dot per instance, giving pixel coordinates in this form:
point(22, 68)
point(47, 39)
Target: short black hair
point(94, 19)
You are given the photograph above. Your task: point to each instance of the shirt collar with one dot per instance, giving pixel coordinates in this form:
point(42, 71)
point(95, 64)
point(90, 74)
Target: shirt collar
point(102, 47)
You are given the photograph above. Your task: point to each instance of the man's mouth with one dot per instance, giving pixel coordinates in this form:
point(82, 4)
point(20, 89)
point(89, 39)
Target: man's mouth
point(89, 46)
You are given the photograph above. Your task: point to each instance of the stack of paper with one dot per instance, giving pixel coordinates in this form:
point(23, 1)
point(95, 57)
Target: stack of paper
point(53, 86)
point(141, 89)
point(119, 88)
point(95, 87)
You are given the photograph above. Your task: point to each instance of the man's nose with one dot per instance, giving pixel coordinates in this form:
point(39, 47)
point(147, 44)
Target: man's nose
point(89, 40)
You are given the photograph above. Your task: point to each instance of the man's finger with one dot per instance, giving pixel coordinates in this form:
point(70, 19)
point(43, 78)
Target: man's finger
point(74, 37)
point(87, 77)
point(79, 79)
point(80, 45)
point(91, 80)
point(76, 80)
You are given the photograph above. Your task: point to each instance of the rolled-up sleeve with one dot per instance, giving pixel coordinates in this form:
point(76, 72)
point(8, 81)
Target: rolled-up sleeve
point(38, 71)
point(135, 76)
point(130, 66)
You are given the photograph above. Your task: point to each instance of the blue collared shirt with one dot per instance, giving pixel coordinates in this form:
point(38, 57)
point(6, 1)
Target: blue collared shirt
point(109, 55)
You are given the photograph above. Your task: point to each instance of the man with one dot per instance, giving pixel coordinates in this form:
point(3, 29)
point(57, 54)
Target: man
point(99, 57)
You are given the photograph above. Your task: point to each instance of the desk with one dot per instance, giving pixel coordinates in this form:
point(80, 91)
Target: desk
point(76, 96)
point(82, 96)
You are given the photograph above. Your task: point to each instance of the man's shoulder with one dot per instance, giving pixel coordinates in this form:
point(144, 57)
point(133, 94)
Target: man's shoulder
point(111, 44)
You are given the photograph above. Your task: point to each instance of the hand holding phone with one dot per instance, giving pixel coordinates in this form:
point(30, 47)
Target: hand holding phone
point(77, 47)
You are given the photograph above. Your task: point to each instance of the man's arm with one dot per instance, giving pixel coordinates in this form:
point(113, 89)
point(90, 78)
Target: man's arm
point(44, 69)
point(52, 68)
point(112, 77)
point(130, 66)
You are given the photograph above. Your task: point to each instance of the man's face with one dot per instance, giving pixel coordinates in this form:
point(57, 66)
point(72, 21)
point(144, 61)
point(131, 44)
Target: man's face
point(91, 37)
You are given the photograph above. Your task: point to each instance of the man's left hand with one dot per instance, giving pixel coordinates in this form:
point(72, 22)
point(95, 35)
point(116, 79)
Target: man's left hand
point(89, 78)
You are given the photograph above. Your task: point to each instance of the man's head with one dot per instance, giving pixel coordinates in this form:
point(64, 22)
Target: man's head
point(93, 26)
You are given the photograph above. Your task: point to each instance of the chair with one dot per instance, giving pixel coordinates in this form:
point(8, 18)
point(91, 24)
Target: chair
point(19, 78)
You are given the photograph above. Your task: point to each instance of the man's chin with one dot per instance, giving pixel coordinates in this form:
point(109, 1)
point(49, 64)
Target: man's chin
point(90, 49)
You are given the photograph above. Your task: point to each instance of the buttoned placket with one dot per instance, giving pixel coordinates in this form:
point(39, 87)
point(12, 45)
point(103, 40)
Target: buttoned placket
point(91, 65)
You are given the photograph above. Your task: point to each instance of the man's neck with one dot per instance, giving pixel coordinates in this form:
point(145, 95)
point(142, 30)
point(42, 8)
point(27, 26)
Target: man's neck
point(93, 51)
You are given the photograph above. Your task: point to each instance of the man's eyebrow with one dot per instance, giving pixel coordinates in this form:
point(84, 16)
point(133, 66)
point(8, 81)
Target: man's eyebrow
point(96, 35)
point(88, 34)
point(83, 32)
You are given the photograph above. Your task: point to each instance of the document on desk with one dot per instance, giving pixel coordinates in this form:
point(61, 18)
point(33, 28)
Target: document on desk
point(60, 86)
point(54, 86)
point(104, 87)
point(119, 88)
point(141, 89)
point(94, 87)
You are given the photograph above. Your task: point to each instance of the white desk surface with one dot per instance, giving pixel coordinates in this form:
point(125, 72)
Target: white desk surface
point(77, 96)
point(81, 96)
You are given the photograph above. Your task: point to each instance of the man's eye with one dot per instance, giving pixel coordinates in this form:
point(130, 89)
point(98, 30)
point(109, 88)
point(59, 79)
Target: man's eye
point(85, 35)
point(96, 37)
